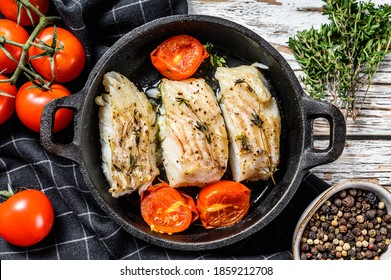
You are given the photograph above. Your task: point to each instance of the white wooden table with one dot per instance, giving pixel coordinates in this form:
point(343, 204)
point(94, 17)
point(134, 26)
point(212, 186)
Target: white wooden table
point(368, 152)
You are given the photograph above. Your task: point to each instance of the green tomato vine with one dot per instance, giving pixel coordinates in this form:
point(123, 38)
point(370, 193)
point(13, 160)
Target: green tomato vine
point(49, 50)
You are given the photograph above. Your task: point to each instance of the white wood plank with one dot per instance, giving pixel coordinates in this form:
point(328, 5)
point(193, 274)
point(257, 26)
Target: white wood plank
point(361, 159)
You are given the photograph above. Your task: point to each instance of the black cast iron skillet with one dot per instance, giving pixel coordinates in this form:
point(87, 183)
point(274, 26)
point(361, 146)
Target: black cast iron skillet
point(130, 56)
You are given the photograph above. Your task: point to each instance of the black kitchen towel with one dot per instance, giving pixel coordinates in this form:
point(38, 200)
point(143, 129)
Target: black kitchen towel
point(81, 229)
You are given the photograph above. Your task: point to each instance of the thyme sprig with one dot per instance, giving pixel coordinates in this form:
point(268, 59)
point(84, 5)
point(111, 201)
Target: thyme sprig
point(272, 168)
point(243, 81)
point(341, 57)
point(215, 59)
point(242, 138)
point(200, 125)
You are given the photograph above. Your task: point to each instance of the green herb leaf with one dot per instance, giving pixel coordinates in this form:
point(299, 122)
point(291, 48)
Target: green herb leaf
point(341, 57)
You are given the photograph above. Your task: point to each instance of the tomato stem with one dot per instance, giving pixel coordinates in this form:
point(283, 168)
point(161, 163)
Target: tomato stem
point(43, 22)
point(27, 4)
point(8, 193)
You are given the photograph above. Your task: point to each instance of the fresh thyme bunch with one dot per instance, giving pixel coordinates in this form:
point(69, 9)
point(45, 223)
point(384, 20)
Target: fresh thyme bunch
point(342, 57)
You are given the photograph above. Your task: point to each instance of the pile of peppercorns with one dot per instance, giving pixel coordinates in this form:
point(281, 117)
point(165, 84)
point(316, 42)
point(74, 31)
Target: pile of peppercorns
point(352, 225)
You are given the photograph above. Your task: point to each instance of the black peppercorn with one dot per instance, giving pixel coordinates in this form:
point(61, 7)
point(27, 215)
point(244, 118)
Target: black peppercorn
point(380, 213)
point(369, 254)
point(334, 209)
point(327, 246)
point(324, 209)
point(324, 225)
point(337, 202)
point(370, 214)
point(371, 198)
point(352, 220)
point(342, 221)
point(352, 192)
point(347, 215)
point(348, 201)
point(312, 235)
point(356, 231)
point(342, 194)
point(387, 218)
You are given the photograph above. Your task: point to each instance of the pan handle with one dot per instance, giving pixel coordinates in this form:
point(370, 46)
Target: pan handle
point(70, 150)
point(317, 109)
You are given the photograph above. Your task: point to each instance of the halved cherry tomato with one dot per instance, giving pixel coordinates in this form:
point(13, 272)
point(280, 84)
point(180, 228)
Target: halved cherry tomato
point(68, 62)
point(223, 203)
point(7, 103)
point(166, 210)
point(11, 31)
point(30, 101)
point(9, 9)
point(179, 57)
point(26, 217)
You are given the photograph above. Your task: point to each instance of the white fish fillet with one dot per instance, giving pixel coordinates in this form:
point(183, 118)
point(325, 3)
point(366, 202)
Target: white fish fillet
point(128, 136)
point(193, 133)
point(253, 122)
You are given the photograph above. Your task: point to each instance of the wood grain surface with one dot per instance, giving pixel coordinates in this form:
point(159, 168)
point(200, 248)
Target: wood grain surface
point(368, 147)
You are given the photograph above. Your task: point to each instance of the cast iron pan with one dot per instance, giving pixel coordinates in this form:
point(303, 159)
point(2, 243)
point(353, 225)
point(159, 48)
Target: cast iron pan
point(130, 56)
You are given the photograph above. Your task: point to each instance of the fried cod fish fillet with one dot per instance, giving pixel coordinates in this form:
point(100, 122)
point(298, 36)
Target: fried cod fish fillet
point(192, 132)
point(128, 135)
point(253, 122)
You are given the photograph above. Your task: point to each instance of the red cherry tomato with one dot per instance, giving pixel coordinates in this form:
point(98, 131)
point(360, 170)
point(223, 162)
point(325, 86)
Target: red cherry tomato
point(223, 203)
point(7, 103)
point(26, 218)
point(9, 9)
point(30, 101)
point(11, 31)
point(166, 210)
point(178, 57)
point(68, 62)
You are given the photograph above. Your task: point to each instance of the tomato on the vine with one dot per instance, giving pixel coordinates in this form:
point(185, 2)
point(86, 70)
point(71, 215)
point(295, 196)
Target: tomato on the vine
point(30, 101)
point(178, 57)
point(11, 31)
point(166, 210)
point(9, 9)
point(7, 103)
point(68, 62)
point(26, 217)
point(223, 203)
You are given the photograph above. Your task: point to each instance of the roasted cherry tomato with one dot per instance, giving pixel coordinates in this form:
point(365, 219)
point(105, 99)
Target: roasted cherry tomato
point(30, 101)
point(166, 210)
point(178, 57)
point(223, 203)
point(9, 8)
point(26, 217)
point(68, 62)
point(11, 31)
point(7, 103)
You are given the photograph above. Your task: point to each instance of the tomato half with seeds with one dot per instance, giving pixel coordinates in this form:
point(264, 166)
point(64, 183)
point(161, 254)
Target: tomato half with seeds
point(69, 62)
point(26, 217)
point(7, 99)
point(14, 32)
point(30, 101)
point(9, 9)
point(166, 210)
point(178, 57)
point(223, 203)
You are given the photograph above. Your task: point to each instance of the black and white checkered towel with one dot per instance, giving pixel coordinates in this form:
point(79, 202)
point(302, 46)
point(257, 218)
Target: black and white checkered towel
point(81, 229)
